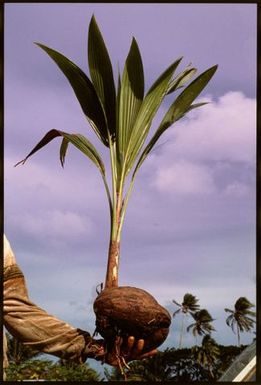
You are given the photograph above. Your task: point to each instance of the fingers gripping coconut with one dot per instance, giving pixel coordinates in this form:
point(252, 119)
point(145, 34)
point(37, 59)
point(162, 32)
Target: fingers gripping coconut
point(121, 117)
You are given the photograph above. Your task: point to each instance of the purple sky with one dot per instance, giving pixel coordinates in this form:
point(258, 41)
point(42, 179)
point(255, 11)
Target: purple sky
point(190, 224)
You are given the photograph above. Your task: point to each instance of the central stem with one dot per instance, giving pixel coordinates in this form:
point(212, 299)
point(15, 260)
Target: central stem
point(118, 208)
point(114, 246)
point(113, 264)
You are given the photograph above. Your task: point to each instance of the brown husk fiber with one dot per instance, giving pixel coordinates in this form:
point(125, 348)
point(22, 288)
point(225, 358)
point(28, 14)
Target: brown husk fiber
point(129, 311)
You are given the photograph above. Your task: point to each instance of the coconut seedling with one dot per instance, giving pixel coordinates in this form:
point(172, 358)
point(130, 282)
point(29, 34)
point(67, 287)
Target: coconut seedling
point(121, 117)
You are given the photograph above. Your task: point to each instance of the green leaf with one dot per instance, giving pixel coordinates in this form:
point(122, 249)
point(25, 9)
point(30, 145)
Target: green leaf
point(181, 79)
point(102, 74)
point(118, 93)
point(119, 156)
point(84, 91)
point(131, 96)
point(183, 102)
point(149, 107)
point(78, 140)
point(178, 109)
point(190, 108)
point(63, 150)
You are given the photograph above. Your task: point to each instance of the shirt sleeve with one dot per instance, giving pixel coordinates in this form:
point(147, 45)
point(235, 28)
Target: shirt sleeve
point(34, 326)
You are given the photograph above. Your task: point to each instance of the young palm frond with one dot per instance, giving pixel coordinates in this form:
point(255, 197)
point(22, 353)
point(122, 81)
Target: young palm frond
point(121, 121)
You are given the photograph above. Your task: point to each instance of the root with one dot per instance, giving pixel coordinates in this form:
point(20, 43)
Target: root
point(120, 358)
point(121, 362)
point(99, 288)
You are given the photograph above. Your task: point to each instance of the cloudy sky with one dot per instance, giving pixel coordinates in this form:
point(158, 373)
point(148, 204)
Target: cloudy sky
point(190, 224)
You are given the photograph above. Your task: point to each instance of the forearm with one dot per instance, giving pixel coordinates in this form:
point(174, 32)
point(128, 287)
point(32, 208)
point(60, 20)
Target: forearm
point(35, 327)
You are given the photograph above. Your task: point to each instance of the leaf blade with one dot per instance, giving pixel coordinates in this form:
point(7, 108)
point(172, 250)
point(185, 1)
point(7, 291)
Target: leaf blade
point(84, 91)
point(130, 98)
point(181, 79)
point(63, 150)
point(102, 74)
point(170, 117)
point(147, 112)
point(78, 140)
point(185, 99)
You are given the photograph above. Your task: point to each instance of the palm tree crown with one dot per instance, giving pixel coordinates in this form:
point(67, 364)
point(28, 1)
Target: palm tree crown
point(207, 353)
point(188, 306)
point(241, 316)
point(202, 324)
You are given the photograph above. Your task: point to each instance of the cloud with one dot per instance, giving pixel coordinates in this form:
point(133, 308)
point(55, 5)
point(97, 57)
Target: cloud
point(237, 189)
point(211, 151)
point(184, 178)
point(224, 130)
point(76, 186)
point(48, 208)
point(54, 223)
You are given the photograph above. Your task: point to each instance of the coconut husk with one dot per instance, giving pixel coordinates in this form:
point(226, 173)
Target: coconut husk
point(129, 311)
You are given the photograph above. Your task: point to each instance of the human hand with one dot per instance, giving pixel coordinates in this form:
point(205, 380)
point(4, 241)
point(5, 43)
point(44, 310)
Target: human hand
point(122, 352)
point(128, 350)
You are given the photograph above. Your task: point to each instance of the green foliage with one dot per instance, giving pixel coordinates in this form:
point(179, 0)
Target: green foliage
point(207, 354)
point(25, 365)
point(241, 317)
point(198, 363)
point(156, 369)
point(17, 352)
point(188, 306)
point(84, 91)
point(121, 120)
point(79, 141)
point(28, 370)
point(181, 79)
point(102, 76)
point(143, 120)
point(49, 371)
point(179, 108)
point(202, 324)
point(130, 100)
point(180, 365)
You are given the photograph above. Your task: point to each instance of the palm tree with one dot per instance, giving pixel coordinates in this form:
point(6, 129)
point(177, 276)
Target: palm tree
point(188, 306)
point(121, 117)
point(208, 353)
point(121, 121)
point(152, 369)
point(202, 324)
point(241, 317)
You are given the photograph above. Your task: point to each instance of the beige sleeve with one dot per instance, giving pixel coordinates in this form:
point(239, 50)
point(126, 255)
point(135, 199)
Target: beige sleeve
point(32, 325)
